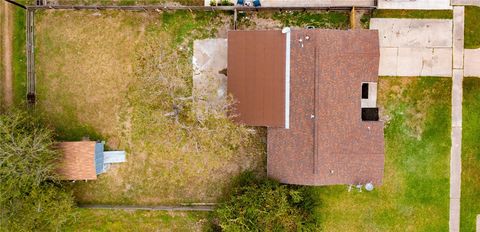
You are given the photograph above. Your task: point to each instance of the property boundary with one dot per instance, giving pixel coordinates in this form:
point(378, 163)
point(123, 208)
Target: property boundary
point(30, 29)
point(202, 207)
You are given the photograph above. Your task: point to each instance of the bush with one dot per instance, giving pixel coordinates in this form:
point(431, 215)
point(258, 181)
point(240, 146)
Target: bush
point(31, 198)
point(260, 204)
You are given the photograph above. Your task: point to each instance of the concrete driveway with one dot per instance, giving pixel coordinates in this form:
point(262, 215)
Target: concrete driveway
point(472, 62)
point(414, 47)
point(415, 4)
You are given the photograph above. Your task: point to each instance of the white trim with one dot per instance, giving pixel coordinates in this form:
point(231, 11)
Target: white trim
point(286, 31)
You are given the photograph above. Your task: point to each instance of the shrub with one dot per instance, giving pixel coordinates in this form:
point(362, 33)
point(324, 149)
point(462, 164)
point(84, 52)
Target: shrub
point(261, 204)
point(31, 198)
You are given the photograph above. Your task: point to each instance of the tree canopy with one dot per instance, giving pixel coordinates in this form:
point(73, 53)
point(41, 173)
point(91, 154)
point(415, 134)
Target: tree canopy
point(31, 197)
point(261, 204)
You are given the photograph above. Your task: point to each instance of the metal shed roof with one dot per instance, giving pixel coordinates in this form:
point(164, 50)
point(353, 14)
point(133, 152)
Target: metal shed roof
point(256, 77)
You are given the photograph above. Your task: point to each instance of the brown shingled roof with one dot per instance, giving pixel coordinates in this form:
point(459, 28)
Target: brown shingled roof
point(327, 143)
point(256, 77)
point(78, 160)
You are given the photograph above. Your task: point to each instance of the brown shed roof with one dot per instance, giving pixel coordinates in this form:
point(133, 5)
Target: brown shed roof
point(256, 77)
point(78, 160)
point(328, 143)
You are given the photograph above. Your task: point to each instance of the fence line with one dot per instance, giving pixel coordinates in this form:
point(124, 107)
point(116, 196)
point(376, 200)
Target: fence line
point(193, 8)
point(31, 79)
point(30, 57)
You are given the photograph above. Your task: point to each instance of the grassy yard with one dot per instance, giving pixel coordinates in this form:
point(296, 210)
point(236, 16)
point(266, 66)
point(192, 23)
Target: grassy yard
point(470, 198)
point(296, 19)
point(121, 220)
point(19, 57)
point(415, 14)
point(126, 77)
point(415, 192)
point(472, 27)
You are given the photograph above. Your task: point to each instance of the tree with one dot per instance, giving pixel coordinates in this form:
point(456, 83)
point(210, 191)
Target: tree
point(260, 204)
point(31, 197)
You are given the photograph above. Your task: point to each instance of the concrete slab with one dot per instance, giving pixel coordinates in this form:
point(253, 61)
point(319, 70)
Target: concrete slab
point(458, 35)
point(478, 223)
point(441, 62)
point(466, 2)
point(414, 4)
point(454, 222)
point(413, 32)
point(472, 62)
point(388, 62)
point(457, 96)
point(209, 76)
point(415, 62)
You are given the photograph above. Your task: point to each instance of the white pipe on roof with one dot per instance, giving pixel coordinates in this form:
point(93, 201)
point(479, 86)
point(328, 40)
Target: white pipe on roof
point(286, 31)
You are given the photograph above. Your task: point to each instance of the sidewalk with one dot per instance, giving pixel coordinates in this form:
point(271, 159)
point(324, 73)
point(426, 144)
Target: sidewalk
point(457, 97)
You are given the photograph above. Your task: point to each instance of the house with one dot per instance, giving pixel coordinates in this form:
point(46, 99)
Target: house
point(315, 91)
point(85, 160)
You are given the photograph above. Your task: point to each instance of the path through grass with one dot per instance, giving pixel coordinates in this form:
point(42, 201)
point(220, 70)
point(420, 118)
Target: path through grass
point(470, 198)
point(415, 192)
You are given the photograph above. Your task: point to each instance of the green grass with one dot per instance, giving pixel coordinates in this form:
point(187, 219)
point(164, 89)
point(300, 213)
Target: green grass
point(470, 198)
point(472, 27)
point(330, 19)
point(19, 58)
point(415, 191)
point(129, 220)
point(415, 14)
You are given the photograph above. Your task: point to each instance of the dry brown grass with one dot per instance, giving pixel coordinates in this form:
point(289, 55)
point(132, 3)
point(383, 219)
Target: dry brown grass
point(121, 75)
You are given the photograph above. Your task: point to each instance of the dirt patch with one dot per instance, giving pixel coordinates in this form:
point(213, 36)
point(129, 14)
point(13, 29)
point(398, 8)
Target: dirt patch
point(7, 54)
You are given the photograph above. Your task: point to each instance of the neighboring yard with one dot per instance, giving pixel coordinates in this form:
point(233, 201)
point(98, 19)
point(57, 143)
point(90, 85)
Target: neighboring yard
point(129, 220)
point(126, 77)
point(415, 192)
point(472, 27)
point(415, 14)
point(470, 206)
point(19, 57)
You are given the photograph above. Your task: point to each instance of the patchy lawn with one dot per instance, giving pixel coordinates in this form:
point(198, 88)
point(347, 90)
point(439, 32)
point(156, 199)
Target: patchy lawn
point(472, 27)
point(126, 77)
point(470, 198)
point(129, 220)
point(414, 14)
point(296, 19)
point(19, 57)
point(415, 192)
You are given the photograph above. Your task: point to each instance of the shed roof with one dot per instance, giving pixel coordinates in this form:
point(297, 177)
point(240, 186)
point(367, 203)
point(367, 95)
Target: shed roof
point(78, 160)
point(256, 77)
